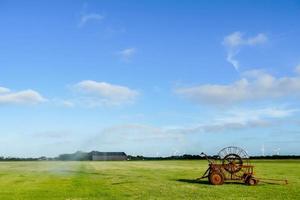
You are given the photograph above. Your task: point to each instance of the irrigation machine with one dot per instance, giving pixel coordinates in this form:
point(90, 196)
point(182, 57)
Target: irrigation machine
point(232, 164)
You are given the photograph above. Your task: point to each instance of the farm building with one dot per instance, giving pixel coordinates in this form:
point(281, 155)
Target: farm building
point(108, 156)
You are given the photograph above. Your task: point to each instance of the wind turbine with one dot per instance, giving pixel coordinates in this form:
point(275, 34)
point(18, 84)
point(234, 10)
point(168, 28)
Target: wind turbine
point(263, 150)
point(277, 151)
point(175, 153)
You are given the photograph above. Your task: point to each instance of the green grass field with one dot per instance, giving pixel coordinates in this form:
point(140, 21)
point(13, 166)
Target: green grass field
point(138, 180)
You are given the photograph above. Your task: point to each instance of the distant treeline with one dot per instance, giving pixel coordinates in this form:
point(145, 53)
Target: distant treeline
point(276, 157)
point(77, 156)
point(23, 159)
point(198, 157)
point(182, 157)
point(83, 156)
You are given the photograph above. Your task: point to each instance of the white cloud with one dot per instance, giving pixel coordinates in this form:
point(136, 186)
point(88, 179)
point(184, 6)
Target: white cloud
point(38, 143)
point(233, 40)
point(85, 18)
point(254, 85)
point(4, 90)
point(139, 137)
point(102, 93)
point(236, 40)
point(138, 132)
point(234, 119)
point(67, 103)
point(237, 119)
point(20, 97)
point(127, 54)
point(136, 139)
point(217, 127)
point(230, 58)
point(272, 112)
point(63, 102)
point(246, 115)
point(258, 39)
point(297, 69)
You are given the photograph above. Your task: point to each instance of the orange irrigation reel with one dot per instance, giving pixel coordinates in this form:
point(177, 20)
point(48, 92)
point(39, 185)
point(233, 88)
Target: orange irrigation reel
point(232, 163)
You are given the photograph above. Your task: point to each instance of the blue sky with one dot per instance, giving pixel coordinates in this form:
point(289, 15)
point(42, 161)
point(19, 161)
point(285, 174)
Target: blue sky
point(149, 77)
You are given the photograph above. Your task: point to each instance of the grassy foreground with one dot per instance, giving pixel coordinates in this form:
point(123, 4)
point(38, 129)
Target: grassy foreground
point(138, 180)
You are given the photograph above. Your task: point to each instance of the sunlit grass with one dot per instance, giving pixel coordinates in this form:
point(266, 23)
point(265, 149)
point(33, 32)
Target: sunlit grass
point(138, 180)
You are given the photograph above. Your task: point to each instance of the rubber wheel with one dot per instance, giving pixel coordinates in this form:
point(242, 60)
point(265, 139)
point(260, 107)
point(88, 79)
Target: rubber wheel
point(216, 178)
point(252, 181)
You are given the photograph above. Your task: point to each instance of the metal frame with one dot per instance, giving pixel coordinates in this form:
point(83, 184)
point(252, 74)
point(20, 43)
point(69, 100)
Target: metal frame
point(232, 163)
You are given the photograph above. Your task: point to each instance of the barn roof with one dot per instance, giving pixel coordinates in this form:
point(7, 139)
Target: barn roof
point(97, 153)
